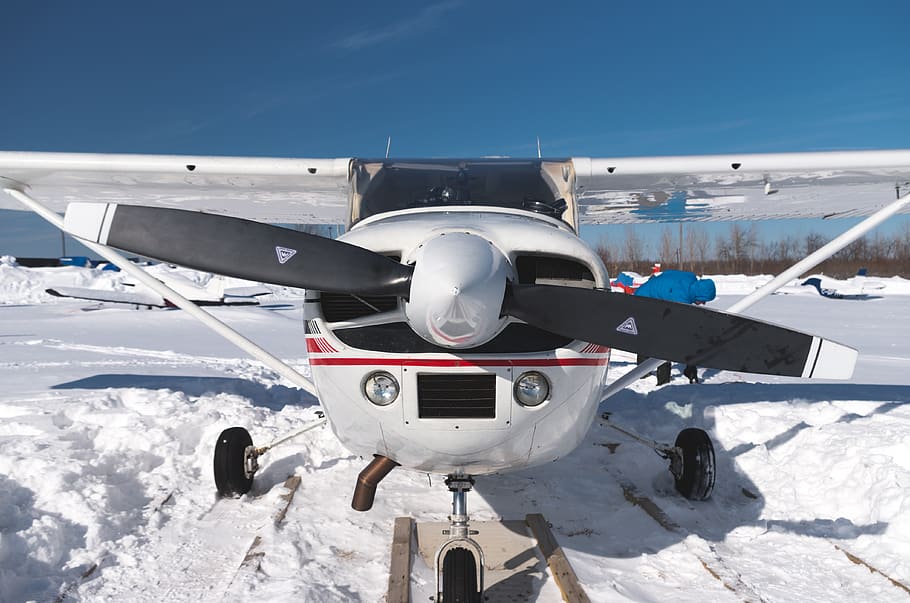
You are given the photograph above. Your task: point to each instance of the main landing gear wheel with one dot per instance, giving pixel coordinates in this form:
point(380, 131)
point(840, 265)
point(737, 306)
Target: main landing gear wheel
point(694, 472)
point(459, 577)
point(235, 462)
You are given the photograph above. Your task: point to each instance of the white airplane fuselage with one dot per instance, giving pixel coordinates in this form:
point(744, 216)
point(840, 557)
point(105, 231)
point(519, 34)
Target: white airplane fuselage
point(457, 411)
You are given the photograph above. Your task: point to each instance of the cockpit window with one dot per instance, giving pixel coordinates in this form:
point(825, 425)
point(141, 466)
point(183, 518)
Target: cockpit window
point(384, 186)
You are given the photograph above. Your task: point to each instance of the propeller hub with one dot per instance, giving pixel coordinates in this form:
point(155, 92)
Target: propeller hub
point(456, 290)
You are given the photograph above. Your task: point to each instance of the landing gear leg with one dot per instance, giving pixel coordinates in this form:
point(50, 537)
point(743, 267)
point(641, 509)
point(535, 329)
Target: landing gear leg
point(691, 459)
point(459, 562)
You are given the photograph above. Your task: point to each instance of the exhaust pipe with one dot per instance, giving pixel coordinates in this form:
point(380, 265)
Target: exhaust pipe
point(369, 478)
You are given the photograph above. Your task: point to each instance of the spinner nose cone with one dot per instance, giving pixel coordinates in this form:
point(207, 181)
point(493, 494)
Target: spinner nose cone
point(456, 290)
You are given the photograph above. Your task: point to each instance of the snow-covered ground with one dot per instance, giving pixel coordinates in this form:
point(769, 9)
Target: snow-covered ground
point(108, 420)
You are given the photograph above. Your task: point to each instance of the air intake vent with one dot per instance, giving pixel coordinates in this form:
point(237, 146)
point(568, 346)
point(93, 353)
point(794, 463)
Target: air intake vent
point(456, 396)
point(337, 307)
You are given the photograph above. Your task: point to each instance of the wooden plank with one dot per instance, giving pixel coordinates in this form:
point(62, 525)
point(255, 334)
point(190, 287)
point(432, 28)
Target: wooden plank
point(400, 564)
point(252, 561)
point(873, 569)
point(562, 571)
point(291, 484)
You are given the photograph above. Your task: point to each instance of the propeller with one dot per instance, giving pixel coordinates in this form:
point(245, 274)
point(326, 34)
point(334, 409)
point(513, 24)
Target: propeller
point(663, 329)
point(453, 295)
point(240, 248)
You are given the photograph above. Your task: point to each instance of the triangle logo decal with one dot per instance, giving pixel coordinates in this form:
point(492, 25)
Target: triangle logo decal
point(284, 254)
point(628, 326)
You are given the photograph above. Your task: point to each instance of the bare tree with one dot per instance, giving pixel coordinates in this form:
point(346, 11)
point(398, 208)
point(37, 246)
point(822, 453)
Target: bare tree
point(606, 255)
point(633, 248)
point(814, 242)
point(723, 249)
point(698, 246)
point(667, 246)
point(902, 246)
point(740, 249)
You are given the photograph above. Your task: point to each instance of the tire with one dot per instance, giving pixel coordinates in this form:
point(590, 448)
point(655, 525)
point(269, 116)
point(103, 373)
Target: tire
point(231, 477)
point(697, 479)
point(459, 577)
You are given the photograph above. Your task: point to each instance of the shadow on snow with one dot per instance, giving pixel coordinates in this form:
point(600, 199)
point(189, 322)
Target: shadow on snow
point(273, 397)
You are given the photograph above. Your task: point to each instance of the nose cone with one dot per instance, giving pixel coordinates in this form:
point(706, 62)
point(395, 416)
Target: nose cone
point(456, 291)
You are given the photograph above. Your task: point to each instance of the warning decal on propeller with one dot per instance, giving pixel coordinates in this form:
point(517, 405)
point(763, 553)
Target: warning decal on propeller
point(628, 326)
point(284, 254)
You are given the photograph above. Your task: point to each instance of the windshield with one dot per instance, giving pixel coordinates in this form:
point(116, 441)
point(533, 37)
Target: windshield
point(383, 186)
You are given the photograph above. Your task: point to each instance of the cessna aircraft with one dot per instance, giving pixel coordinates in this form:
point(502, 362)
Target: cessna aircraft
point(212, 293)
point(460, 326)
point(858, 287)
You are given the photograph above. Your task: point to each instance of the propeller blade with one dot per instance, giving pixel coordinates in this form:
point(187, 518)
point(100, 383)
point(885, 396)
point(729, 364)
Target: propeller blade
point(678, 332)
point(240, 248)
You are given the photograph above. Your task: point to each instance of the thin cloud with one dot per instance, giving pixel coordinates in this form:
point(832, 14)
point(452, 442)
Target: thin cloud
point(427, 18)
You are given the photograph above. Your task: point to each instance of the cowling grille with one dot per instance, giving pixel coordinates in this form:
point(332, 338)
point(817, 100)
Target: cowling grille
point(456, 396)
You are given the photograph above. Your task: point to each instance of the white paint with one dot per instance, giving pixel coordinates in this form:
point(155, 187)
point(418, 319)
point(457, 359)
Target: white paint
point(835, 361)
point(87, 221)
point(747, 163)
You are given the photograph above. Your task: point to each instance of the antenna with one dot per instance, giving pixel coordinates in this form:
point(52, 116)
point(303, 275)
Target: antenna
point(388, 147)
point(538, 147)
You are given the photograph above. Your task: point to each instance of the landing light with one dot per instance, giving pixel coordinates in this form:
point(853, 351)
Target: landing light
point(532, 389)
point(380, 388)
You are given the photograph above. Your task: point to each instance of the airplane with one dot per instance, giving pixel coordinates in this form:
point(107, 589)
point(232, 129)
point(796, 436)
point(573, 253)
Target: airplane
point(857, 287)
point(460, 326)
point(212, 293)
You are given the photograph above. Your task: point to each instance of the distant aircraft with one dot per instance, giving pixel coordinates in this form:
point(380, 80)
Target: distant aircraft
point(213, 293)
point(854, 288)
point(74, 260)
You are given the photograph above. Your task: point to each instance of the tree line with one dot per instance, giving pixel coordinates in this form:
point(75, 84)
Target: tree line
point(741, 250)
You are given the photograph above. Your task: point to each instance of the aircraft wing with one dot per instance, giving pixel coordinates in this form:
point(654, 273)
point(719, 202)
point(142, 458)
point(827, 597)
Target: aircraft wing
point(711, 188)
point(294, 191)
point(621, 190)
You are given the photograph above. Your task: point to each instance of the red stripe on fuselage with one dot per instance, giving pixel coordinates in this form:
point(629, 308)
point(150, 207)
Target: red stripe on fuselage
point(319, 345)
point(458, 362)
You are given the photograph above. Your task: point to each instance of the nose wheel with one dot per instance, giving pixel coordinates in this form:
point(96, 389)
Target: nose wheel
point(459, 562)
point(459, 575)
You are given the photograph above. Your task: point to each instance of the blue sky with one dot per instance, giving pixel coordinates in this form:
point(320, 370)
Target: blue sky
point(453, 78)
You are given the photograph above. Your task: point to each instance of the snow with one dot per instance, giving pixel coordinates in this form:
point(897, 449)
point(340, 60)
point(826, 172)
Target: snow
point(108, 421)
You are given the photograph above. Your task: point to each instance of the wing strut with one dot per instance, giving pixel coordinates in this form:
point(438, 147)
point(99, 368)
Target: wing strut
point(254, 350)
point(810, 261)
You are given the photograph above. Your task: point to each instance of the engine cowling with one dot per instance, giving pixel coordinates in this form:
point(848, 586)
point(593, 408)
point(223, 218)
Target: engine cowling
point(457, 290)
